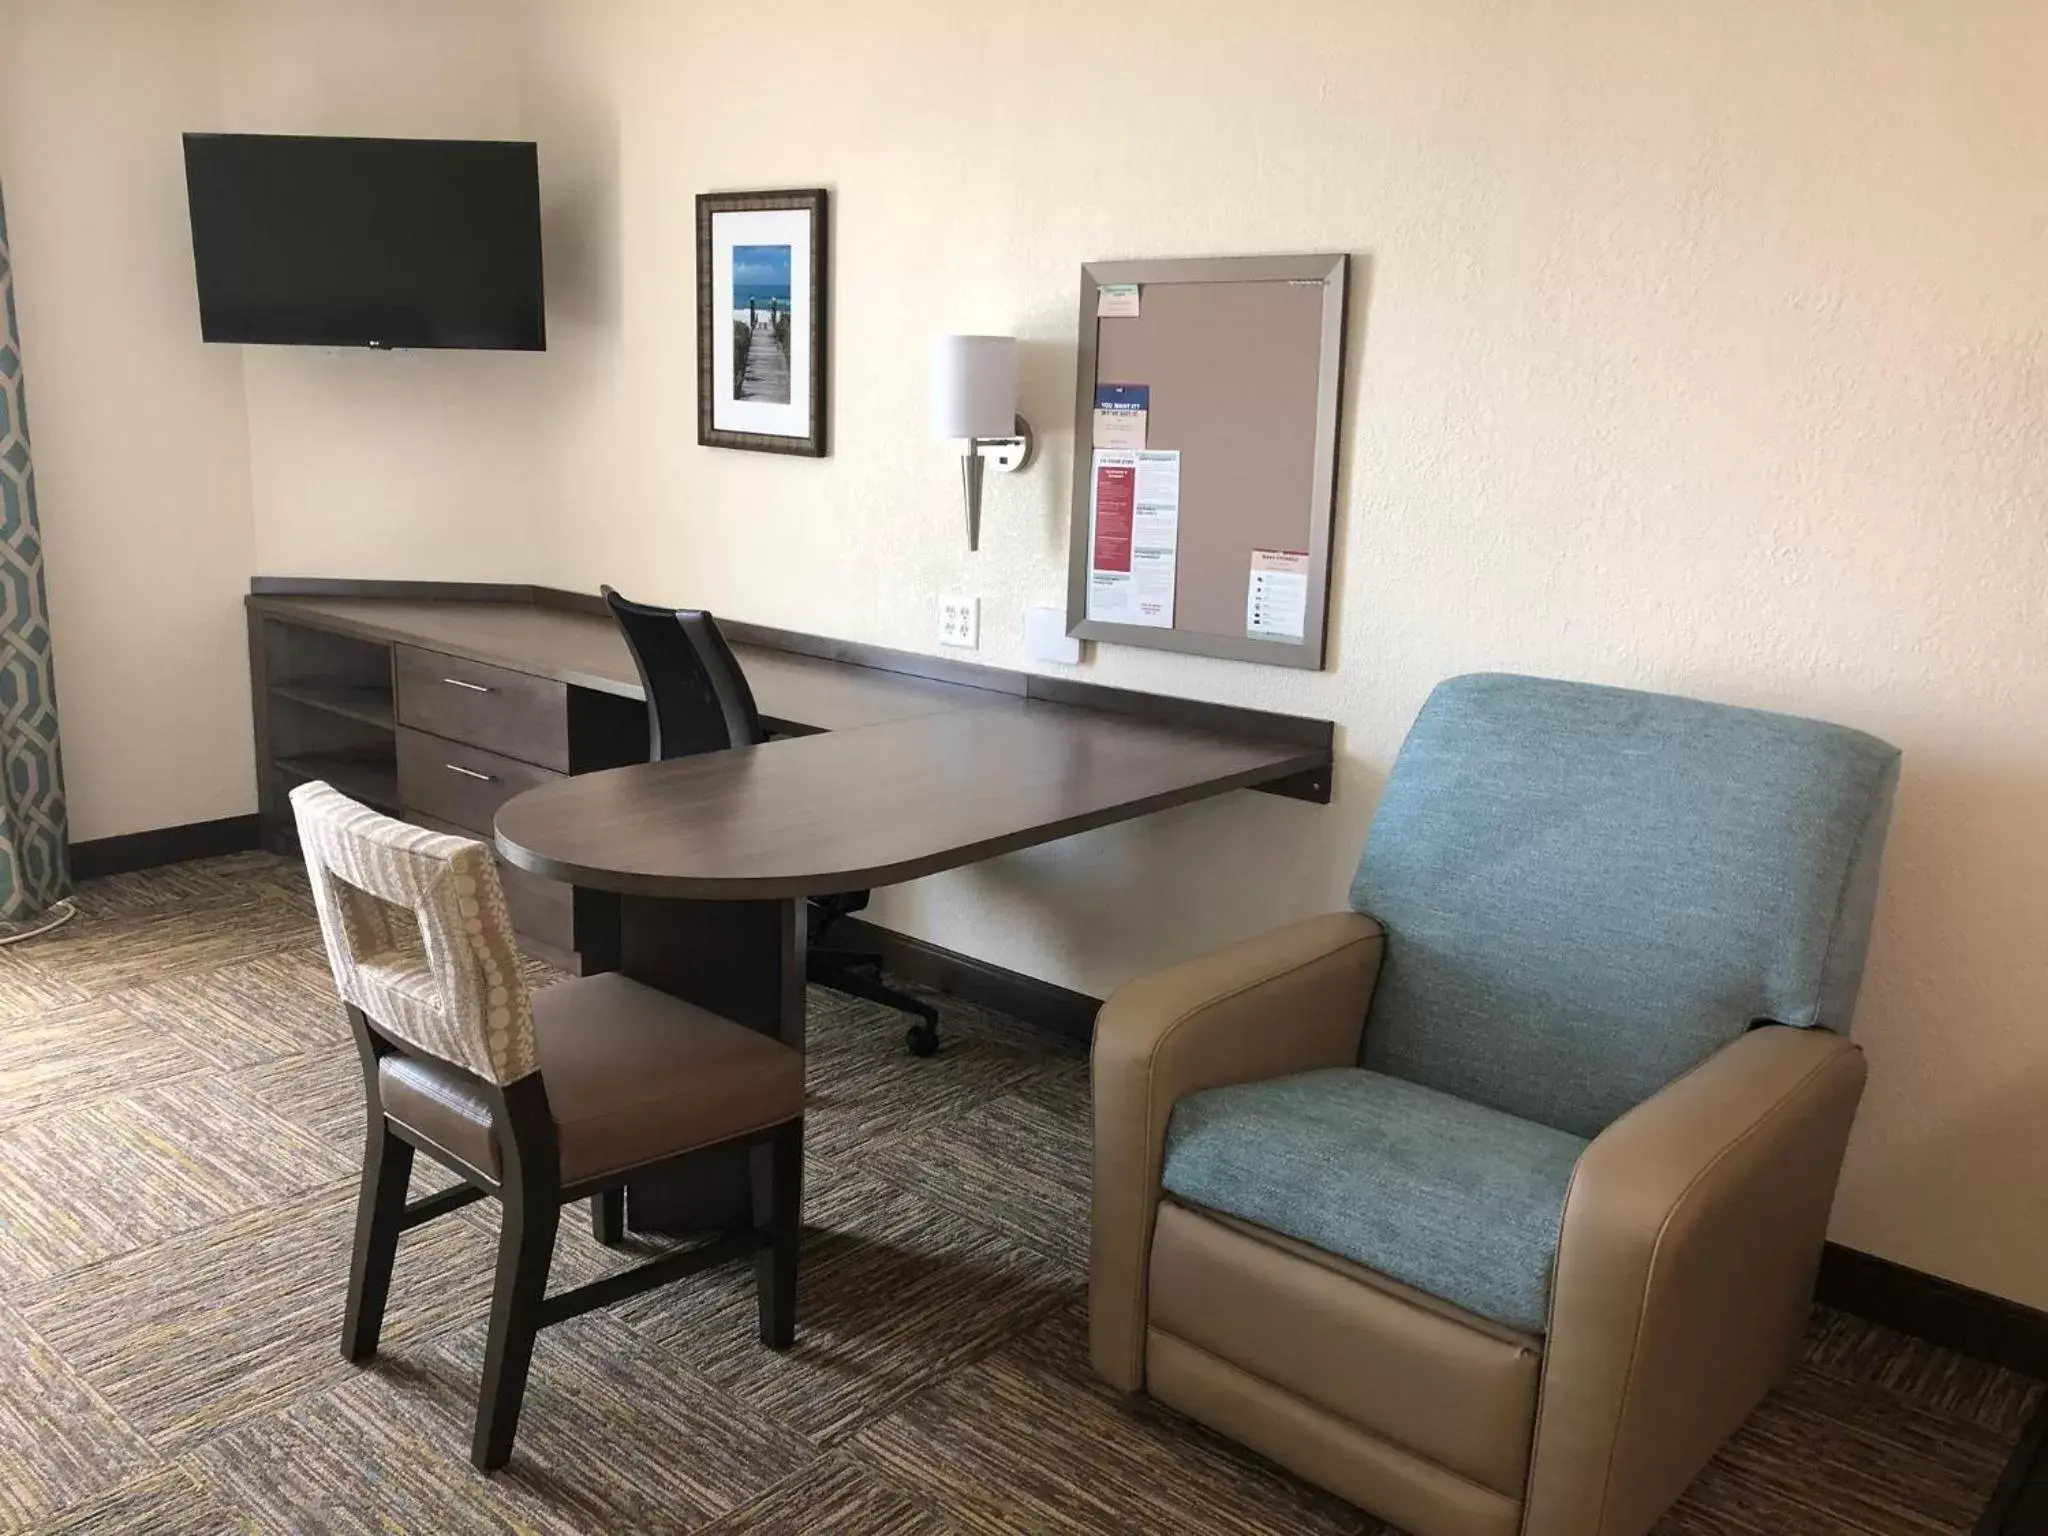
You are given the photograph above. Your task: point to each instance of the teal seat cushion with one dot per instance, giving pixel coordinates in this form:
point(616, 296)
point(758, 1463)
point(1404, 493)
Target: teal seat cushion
point(1458, 1200)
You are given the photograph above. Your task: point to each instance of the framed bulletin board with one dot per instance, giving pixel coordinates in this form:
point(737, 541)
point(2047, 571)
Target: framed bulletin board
point(1205, 463)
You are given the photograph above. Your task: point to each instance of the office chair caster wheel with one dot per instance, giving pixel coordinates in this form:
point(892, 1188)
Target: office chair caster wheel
point(923, 1039)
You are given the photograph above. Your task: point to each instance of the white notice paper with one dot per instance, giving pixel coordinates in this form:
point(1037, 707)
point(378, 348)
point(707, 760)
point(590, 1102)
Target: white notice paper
point(1155, 538)
point(1116, 301)
point(1276, 602)
point(1120, 411)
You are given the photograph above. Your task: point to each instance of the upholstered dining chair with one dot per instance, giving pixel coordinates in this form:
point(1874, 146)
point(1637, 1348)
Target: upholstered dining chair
point(535, 1099)
point(1494, 1204)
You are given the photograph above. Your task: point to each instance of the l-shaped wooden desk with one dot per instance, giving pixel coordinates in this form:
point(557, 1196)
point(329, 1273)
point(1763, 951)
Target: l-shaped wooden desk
point(514, 711)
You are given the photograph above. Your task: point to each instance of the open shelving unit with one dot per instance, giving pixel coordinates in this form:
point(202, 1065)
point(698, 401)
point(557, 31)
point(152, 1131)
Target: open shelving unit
point(328, 713)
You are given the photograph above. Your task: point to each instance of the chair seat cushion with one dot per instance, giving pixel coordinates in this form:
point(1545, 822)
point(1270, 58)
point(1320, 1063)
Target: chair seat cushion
point(1460, 1201)
point(633, 1076)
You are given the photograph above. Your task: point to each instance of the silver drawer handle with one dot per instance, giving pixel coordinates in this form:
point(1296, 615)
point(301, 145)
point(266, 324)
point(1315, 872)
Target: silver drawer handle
point(456, 682)
point(470, 773)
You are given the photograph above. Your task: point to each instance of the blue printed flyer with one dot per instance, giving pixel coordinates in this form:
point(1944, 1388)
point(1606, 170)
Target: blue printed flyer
point(1120, 411)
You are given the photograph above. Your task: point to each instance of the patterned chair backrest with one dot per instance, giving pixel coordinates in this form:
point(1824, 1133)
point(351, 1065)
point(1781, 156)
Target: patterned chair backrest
point(1589, 890)
point(457, 992)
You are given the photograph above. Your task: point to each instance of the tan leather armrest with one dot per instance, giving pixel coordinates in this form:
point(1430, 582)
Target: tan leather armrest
point(1288, 1001)
point(1684, 1277)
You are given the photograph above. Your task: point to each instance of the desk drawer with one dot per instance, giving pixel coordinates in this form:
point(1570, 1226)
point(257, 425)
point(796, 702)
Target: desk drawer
point(460, 784)
point(511, 713)
point(540, 908)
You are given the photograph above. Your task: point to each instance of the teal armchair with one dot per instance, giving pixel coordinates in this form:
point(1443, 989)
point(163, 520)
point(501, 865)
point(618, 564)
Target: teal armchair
point(1494, 1203)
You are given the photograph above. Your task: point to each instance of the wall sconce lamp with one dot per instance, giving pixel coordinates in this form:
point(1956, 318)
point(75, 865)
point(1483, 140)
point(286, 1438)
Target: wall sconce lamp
point(974, 395)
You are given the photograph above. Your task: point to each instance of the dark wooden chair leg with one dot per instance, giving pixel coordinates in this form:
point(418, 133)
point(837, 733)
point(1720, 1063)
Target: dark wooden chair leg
point(380, 1214)
point(530, 1198)
point(608, 1217)
point(778, 1170)
point(526, 1247)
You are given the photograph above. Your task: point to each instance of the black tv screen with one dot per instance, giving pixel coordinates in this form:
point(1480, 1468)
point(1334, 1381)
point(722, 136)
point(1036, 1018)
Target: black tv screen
point(366, 242)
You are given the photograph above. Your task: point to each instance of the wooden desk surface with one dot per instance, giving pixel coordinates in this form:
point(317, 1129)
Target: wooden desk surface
point(890, 776)
point(795, 693)
point(873, 806)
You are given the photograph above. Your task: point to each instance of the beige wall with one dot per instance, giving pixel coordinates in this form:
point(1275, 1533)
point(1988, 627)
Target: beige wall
point(372, 462)
point(1696, 347)
point(151, 448)
point(1701, 348)
point(141, 448)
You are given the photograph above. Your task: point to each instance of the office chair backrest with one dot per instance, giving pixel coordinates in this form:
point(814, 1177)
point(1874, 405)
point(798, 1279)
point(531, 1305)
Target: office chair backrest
point(697, 696)
point(417, 934)
point(1588, 891)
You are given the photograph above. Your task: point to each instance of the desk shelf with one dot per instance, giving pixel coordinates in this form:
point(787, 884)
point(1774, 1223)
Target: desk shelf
point(363, 776)
point(366, 703)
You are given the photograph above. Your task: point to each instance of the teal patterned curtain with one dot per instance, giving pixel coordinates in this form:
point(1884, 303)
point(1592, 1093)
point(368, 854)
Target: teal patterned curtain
point(35, 872)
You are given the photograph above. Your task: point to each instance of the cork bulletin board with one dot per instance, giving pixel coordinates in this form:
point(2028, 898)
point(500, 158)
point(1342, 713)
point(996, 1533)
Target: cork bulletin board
point(1206, 455)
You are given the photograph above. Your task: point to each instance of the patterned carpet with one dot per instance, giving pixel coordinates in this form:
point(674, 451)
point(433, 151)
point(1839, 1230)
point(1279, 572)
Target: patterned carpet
point(180, 1126)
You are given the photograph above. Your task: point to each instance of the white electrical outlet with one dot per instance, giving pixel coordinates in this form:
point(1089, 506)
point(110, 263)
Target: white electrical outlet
point(960, 622)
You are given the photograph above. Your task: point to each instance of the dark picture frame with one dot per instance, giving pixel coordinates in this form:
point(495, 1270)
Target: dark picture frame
point(785, 342)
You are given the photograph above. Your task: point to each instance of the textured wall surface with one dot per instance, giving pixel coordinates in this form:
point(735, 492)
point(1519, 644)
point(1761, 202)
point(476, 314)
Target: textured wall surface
point(1698, 348)
point(377, 462)
point(142, 448)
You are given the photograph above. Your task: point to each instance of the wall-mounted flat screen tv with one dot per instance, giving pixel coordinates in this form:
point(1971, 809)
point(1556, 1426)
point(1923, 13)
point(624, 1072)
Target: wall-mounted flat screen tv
point(338, 242)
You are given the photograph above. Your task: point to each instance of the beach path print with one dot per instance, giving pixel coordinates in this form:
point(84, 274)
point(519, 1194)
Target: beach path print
point(761, 300)
point(761, 321)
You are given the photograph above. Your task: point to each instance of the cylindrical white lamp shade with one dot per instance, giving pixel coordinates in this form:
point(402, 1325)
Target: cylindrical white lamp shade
point(974, 386)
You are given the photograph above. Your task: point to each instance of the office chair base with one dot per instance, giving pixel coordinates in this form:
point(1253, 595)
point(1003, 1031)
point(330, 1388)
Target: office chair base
point(847, 973)
point(866, 962)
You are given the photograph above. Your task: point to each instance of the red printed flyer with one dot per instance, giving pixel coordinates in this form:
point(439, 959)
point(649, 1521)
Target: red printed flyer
point(1133, 536)
point(1116, 503)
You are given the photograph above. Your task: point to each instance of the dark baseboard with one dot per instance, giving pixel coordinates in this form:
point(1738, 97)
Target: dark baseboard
point(1022, 997)
point(1969, 1322)
point(165, 845)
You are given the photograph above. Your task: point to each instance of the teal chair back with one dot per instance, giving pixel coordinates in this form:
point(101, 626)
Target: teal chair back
point(1589, 890)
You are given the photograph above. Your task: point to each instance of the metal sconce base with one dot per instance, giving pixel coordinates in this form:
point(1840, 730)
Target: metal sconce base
point(1008, 454)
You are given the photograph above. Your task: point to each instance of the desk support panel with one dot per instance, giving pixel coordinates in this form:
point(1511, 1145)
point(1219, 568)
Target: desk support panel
point(742, 960)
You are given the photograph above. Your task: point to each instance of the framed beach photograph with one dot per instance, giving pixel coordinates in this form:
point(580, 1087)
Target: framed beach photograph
point(761, 321)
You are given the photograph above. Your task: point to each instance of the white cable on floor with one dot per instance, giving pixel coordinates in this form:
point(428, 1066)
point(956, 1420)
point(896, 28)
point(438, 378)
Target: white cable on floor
point(52, 920)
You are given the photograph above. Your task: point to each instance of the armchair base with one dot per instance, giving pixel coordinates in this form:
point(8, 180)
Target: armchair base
point(1417, 1495)
point(1375, 1355)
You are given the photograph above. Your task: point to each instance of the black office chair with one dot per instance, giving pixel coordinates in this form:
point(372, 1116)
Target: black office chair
point(698, 701)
